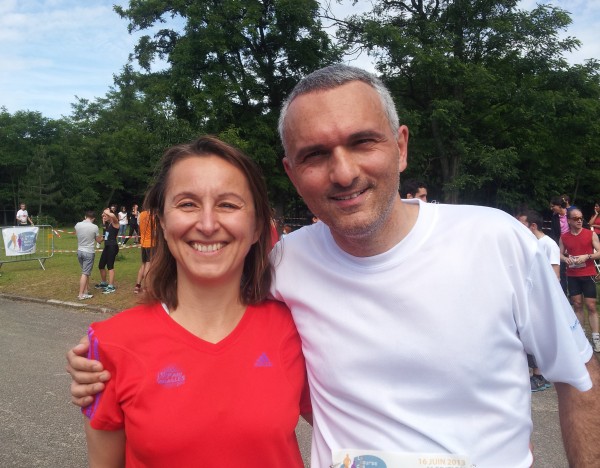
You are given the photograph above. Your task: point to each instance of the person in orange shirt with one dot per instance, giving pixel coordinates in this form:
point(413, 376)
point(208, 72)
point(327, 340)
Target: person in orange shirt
point(146, 231)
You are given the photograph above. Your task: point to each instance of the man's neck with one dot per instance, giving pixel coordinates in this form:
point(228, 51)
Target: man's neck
point(401, 220)
point(538, 234)
point(576, 232)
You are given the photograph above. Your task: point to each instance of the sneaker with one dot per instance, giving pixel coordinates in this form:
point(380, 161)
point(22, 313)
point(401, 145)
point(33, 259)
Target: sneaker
point(537, 383)
point(547, 383)
point(84, 297)
point(101, 285)
point(596, 345)
point(109, 289)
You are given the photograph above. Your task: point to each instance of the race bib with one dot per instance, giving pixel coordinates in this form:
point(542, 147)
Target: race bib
point(352, 458)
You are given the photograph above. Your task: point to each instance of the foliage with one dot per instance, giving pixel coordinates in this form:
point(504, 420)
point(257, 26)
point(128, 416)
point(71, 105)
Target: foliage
point(486, 89)
point(230, 65)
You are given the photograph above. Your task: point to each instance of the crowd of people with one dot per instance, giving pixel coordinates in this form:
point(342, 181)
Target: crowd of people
point(114, 226)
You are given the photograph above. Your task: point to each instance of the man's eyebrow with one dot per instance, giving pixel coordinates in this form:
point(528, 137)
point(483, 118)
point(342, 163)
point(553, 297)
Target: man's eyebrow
point(366, 134)
point(308, 149)
point(378, 135)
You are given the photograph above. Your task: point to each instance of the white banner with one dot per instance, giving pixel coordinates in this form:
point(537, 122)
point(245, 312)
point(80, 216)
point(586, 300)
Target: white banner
point(19, 240)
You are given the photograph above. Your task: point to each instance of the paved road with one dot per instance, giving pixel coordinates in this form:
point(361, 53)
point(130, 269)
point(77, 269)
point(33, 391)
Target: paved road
point(40, 428)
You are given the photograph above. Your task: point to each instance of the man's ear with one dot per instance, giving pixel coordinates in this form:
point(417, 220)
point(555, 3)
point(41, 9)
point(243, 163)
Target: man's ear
point(402, 143)
point(289, 170)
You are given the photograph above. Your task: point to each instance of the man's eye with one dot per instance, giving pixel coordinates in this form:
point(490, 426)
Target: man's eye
point(313, 154)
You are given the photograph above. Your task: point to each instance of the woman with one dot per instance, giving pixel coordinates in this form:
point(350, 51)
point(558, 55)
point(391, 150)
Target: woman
point(595, 219)
point(206, 372)
point(109, 252)
point(122, 225)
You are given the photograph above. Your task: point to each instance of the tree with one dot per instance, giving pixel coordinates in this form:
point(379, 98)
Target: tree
point(472, 80)
point(40, 185)
point(230, 65)
point(20, 135)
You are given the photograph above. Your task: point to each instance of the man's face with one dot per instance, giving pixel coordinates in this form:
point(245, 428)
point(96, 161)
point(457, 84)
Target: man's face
point(523, 220)
point(422, 194)
point(22, 206)
point(344, 159)
point(575, 220)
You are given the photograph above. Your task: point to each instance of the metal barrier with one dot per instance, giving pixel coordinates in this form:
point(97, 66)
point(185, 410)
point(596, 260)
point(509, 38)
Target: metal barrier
point(23, 243)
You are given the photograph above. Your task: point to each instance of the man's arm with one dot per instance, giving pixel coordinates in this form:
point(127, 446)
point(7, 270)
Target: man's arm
point(106, 449)
point(88, 375)
point(563, 254)
point(580, 419)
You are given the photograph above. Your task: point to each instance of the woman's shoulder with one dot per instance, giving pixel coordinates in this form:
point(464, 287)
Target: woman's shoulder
point(128, 324)
point(274, 310)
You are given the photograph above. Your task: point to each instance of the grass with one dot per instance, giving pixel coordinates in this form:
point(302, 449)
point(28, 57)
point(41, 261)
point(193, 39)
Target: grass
point(60, 279)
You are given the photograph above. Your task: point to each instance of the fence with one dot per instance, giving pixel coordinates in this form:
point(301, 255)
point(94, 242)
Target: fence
point(24, 243)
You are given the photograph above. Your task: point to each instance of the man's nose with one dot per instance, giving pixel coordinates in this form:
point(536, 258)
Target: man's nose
point(343, 167)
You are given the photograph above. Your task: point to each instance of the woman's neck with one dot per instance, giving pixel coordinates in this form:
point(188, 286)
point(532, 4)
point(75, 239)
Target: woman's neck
point(209, 311)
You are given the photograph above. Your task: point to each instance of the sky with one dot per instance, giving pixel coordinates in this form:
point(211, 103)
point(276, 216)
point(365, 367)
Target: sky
point(52, 51)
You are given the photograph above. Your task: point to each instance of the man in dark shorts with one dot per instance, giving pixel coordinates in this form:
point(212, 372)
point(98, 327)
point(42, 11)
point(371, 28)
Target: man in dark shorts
point(579, 247)
point(147, 243)
point(109, 253)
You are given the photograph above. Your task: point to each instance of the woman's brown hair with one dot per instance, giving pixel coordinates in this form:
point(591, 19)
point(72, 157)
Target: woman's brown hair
point(162, 275)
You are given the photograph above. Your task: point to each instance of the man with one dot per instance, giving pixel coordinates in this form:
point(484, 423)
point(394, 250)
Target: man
point(147, 244)
point(382, 377)
point(413, 189)
point(134, 227)
point(579, 248)
point(534, 222)
point(87, 236)
point(22, 216)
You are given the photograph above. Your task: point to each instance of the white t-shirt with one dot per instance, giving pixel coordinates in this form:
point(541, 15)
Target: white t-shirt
point(551, 249)
point(122, 218)
point(22, 216)
point(423, 348)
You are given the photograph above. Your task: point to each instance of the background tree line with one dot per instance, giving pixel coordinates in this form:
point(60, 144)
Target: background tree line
point(497, 115)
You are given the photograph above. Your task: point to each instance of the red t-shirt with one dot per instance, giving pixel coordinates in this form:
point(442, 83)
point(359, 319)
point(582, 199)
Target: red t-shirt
point(186, 402)
point(581, 244)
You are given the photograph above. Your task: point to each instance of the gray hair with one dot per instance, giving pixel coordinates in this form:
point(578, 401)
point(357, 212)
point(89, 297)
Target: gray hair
point(332, 77)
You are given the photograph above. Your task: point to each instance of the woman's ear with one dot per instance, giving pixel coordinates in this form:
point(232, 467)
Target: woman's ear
point(162, 225)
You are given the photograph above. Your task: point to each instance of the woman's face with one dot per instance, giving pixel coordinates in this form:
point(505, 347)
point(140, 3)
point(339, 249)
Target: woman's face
point(209, 220)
